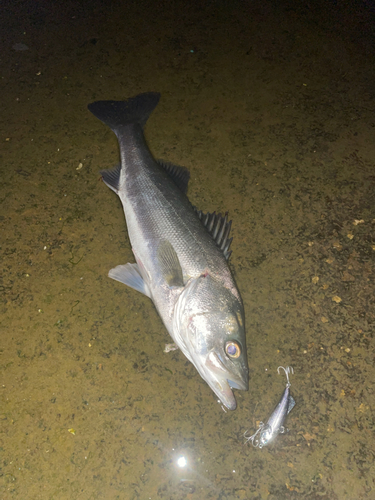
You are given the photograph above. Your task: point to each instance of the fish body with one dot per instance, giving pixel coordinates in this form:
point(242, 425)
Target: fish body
point(275, 423)
point(181, 254)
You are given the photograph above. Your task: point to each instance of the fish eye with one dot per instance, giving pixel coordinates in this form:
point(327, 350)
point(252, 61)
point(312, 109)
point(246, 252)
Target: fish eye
point(233, 349)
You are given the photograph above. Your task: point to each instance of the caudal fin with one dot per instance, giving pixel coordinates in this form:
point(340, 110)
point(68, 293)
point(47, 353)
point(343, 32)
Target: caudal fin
point(116, 114)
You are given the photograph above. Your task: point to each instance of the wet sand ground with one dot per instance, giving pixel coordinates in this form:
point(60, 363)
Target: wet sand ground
point(272, 110)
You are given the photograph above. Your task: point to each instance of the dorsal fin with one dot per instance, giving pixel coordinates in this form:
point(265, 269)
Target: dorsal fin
point(179, 175)
point(219, 228)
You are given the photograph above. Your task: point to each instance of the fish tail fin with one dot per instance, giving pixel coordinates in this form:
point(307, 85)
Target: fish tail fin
point(116, 114)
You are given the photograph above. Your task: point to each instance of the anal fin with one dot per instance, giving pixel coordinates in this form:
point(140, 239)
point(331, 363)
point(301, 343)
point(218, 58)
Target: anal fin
point(112, 177)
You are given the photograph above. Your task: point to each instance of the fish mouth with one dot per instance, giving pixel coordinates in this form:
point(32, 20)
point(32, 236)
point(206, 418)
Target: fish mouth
point(239, 384)
point(222, 381)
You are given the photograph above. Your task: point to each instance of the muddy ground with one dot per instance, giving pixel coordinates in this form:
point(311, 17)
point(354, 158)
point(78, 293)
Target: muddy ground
point(271, 107)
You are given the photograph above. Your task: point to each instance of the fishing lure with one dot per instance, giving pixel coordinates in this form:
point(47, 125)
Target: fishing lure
point(275, 424)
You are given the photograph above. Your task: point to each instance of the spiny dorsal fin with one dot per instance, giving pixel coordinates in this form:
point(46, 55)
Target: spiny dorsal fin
point(219, 229)
point(179, 175)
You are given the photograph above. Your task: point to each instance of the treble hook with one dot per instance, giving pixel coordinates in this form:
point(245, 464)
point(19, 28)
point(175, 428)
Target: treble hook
point(255, 442)
point(287, 370)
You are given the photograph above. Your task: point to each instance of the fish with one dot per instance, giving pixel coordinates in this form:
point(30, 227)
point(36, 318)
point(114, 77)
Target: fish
point(275, 423)
point(181, 253)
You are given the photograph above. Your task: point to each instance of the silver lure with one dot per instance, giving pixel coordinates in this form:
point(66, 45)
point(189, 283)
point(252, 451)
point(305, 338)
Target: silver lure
point(275, 424)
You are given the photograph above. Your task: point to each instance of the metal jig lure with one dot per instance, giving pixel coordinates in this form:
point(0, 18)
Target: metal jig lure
point(275, 424)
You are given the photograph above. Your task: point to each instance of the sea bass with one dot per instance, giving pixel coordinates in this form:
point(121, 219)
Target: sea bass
point(181, 254)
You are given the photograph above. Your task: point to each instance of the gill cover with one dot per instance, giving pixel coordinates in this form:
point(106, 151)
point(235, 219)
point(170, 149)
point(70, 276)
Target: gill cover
point(209, 329)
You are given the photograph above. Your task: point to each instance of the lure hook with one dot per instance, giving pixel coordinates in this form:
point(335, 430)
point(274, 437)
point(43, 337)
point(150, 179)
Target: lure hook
point(254, 442)
point(287, 370)
point(266, 432)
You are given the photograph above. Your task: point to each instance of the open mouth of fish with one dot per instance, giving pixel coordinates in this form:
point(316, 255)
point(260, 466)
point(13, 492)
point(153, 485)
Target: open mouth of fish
point(216, 375)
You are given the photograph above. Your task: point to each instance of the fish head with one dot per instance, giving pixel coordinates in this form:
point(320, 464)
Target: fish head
point(209, 329)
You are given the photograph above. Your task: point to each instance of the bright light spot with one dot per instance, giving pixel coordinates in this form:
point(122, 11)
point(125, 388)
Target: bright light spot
point(181, 462)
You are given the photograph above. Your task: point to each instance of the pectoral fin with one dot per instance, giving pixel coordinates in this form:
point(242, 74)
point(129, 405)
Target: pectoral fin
point(170, 264)
point(129, 275)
